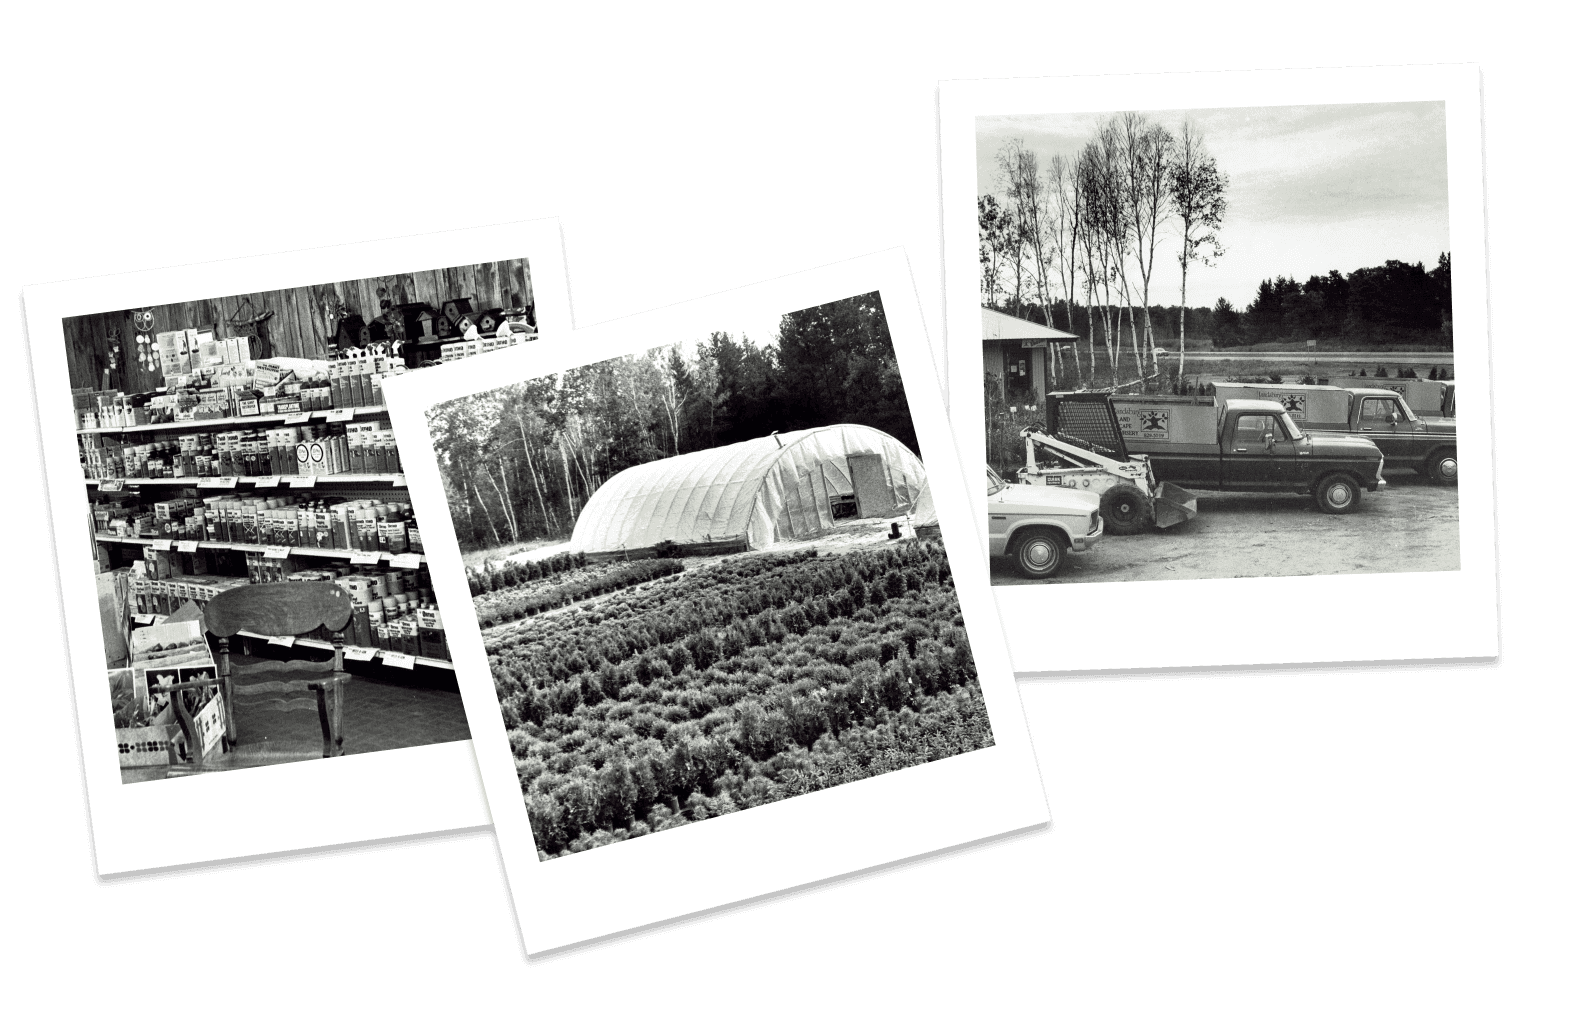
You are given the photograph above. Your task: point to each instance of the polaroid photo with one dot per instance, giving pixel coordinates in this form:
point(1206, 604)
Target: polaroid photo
point(701, 571)
point(1206, 329)
point(247, 600)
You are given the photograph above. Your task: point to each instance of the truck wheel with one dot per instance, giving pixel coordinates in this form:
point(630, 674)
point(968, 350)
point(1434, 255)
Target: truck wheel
point(1441, 467)
point(1337, 493)
point(1127, 511)
point(1039, 554)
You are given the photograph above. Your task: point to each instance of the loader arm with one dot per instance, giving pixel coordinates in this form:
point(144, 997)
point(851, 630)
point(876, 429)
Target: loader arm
point(1036, 437)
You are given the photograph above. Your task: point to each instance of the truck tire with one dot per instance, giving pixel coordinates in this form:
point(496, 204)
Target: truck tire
point(1039, 552)
point(1441, 467)
point(1337, 493)
point(1127, 511)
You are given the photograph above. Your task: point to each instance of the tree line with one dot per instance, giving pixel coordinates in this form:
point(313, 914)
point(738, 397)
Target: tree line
point(1396, 302)
point(519, 462)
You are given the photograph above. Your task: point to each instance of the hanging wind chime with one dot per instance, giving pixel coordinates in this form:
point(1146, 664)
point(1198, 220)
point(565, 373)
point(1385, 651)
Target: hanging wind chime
point(143, 321)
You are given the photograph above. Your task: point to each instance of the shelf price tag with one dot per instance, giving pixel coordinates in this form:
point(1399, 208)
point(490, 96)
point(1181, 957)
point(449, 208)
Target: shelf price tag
point(403, 660)
point(278, 552)
point(399, 480)
point(266, 481)
point(406, 561)
point(144, 619)
point(333, 416)
point(161, 543)
point(112, 485)
point(218, 482)
point(364, 558)
point(296, 418)
point(358, 652)
point(190, 546)
point(308, 481)
point(281, 640)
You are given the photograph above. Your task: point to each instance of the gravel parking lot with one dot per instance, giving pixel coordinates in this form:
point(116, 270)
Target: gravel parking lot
point(1411, 526)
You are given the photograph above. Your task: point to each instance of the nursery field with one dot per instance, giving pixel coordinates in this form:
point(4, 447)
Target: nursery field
point(692, 694)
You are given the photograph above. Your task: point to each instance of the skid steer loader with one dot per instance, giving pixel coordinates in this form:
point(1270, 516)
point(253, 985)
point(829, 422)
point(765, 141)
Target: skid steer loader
point(1084, 435)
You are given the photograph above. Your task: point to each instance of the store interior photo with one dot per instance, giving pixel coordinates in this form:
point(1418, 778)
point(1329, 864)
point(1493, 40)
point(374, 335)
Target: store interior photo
point(262, 585)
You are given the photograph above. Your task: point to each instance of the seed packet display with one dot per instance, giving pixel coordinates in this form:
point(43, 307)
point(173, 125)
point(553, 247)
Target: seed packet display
point(1223, 360)
point(202, 422)
point(738, 656)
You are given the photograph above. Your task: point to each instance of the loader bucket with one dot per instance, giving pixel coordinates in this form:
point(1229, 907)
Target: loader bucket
point(1172, 505)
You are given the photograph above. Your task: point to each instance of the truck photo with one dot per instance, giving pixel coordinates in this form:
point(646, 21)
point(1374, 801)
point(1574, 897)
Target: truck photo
point(1235, 445)
point(1382, 415)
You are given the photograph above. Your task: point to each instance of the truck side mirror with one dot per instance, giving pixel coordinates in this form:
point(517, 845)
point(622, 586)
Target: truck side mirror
point(1391, 418)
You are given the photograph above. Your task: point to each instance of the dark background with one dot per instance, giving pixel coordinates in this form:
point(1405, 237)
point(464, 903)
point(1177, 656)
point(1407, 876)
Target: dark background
point(1354, 838)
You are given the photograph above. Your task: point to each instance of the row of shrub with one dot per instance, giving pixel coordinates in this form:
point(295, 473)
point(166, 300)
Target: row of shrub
point(735, 684)
point(503, 575)
point(573, 590)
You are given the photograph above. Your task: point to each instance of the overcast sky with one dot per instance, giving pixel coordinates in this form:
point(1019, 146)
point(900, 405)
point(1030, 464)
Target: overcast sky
point(1312, 187)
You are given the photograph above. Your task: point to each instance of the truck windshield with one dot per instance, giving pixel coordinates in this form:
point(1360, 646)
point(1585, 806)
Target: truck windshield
point(995, 485)
point(1290, 426)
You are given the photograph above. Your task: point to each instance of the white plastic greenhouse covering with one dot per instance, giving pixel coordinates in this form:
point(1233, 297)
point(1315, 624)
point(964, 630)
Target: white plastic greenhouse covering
point(764, 490)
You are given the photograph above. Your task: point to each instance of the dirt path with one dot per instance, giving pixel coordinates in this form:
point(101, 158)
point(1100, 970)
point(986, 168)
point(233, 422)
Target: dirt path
point(1411, 526)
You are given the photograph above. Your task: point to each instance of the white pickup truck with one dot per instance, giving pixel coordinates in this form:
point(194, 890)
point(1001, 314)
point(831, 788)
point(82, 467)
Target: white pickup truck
point(1035, 525)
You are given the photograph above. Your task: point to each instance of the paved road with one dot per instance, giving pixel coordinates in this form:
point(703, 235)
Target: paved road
point(1411, 526)
point(1427, 359)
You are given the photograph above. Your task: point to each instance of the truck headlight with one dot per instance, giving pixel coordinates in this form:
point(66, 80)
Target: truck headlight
point(1093, 521)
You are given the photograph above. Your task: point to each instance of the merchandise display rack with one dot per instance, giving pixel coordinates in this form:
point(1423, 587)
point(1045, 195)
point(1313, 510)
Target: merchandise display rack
point(346, 483)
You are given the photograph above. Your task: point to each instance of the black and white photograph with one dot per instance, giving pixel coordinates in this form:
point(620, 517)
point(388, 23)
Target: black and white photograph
point(246, 587)
point(704, 572)
point(1222, 336)
point(708, 576)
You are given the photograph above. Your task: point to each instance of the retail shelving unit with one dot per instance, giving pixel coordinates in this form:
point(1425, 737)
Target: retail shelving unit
point(382, 485)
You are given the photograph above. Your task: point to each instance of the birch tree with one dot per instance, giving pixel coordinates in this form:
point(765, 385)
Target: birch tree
point(1198, 197)
point(1148, 155)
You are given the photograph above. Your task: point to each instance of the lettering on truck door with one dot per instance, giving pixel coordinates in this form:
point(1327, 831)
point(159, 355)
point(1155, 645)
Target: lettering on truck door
point(1261, 456)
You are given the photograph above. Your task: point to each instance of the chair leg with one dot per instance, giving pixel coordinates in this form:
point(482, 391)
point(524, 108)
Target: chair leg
point(227, 705)
point(325, 720)
point(336, 716)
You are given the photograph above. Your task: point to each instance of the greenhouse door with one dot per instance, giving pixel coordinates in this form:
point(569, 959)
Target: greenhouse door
point(873, 497)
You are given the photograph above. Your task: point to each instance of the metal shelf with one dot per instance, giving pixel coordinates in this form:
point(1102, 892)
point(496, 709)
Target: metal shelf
point(224, 422)
point(315, 552)
point(282, 480)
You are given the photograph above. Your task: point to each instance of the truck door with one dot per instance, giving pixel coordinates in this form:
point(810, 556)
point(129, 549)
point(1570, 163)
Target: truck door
point(998, 520)
point(1261, 455)
point(1383, 421)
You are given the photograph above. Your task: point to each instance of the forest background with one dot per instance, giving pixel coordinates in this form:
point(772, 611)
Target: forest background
point(519, 462)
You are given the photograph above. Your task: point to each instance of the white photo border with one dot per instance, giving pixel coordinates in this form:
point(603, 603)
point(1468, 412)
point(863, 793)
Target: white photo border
point(289, 806)
point(1453, 617)
point(784, 844)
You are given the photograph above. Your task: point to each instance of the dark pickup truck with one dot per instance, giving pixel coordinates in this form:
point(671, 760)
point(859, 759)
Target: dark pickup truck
point(1384, 417)
point(1241, 445)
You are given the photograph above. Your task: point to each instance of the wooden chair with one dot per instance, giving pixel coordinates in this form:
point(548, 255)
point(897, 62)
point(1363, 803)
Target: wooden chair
point(284, 609)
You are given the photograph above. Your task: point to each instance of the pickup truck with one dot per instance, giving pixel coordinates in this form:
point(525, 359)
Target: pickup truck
point(1036, 525)
point(1381, 415)
point(1246, 445)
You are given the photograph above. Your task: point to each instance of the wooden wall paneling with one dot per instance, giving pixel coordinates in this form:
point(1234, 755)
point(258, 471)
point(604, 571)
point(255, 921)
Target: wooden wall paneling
point(453, 282)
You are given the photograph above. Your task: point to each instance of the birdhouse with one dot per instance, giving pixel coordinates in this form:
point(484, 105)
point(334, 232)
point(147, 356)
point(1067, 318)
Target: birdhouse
point(455, 309)
point(372, 332)
point(488, 320)
point(350, 331)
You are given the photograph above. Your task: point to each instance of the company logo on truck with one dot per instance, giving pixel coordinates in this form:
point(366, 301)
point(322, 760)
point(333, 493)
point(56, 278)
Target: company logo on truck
point(1145, 425)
